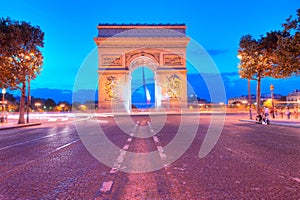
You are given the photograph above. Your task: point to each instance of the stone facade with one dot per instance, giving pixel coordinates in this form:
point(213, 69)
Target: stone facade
point(294, 96)
point(123, 48)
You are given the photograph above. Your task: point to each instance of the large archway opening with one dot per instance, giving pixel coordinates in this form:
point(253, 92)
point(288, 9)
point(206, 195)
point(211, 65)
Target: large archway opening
point(142, 88)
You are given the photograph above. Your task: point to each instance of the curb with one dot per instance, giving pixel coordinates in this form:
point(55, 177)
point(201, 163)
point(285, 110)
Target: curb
point(274, 123)
point(19, 126)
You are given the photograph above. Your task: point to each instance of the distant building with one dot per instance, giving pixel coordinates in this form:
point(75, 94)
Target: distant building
point(294, 96)
point(244, 99)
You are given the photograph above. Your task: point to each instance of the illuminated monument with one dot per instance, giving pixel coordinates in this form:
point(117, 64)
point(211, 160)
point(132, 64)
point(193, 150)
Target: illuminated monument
point(124, 47)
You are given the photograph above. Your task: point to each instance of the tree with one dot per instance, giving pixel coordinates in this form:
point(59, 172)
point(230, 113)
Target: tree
point(256, 61)
point(50, 104)
point(275, 55)
point(20, 58)
point(288, 50)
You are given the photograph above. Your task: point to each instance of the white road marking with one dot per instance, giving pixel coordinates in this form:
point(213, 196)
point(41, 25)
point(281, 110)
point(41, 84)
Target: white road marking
point(120, 159)
point(106, 186)
point(59, 148)
point(65, 119)
point(162, 155)
point(121, 156)
point(296, 179)
point(155, 138)
point(113, 170)
point(160, 149)
point(116, 165)
point(166, 166)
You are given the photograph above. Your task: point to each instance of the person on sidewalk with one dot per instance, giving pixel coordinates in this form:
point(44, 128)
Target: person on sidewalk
point(259, 118)
point(296, 112)
point(288, 113)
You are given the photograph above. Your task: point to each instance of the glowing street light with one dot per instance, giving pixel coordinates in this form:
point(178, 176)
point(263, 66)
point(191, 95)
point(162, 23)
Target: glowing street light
point(37, 105)
point(62, 105)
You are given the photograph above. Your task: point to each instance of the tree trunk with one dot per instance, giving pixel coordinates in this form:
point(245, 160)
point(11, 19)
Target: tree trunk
point(22, 104)
point(258, 98)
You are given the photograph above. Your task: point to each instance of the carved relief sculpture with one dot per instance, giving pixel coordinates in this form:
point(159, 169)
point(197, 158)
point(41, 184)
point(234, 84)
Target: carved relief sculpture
point(111, 88)
point(173, 84)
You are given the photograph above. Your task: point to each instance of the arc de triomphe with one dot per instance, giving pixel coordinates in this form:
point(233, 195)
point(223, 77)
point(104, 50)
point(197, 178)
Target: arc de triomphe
point(124, 47)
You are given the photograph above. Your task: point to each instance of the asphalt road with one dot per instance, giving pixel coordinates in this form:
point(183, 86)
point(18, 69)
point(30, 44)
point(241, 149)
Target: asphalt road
point(153, 157)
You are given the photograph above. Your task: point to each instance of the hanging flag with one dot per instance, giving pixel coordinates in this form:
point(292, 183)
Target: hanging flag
point(147, 93)
point(148, 97)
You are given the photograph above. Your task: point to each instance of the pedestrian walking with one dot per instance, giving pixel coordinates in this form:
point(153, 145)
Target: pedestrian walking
point(296, 112)
point(288, 113)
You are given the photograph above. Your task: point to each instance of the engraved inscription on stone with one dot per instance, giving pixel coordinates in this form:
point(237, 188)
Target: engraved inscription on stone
point(111, 60)
point(173, 59)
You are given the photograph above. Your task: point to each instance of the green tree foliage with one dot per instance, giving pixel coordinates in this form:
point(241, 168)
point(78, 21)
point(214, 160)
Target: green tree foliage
point(20, 56)
point(256, 59)
point(276, 55)
point(288, 50)
point(50, 104)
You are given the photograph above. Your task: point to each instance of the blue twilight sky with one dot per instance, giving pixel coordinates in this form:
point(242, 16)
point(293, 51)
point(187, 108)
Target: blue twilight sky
point(216, 25)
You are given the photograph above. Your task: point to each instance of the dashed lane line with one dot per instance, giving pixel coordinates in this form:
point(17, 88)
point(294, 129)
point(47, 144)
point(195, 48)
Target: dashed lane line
point(59, 148)
point(155, 138)
point(160, 149)
point(126, 146)
point(106, 186)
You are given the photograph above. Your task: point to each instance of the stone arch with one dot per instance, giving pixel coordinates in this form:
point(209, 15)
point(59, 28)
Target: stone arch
point(138, 61)
point(136, 55)
point(124, 47)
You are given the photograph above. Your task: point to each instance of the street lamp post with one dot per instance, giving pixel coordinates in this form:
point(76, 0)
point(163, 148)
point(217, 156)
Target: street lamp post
point(29, 57)
point(28, 99)
point(249, 99)
point(272, 96)
point(249, 92)
point(3, 106)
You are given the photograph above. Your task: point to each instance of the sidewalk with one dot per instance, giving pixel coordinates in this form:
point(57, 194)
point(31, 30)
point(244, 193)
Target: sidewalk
point(14, 124)
point(279, 121)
